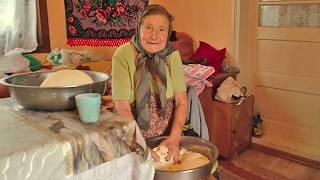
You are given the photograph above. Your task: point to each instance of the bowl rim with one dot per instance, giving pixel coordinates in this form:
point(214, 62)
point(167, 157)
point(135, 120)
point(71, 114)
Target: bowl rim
point(5, 79)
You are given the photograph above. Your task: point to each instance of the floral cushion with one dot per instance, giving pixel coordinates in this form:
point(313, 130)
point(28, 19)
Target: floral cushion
point(197, 74)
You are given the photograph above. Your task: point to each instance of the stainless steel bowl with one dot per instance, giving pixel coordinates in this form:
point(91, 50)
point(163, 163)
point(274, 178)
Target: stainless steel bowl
point(25, 88)
point(193, 144)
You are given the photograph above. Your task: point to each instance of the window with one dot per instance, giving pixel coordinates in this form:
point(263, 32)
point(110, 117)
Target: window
point(19, 19)
point(306, 14)
point(6, 12)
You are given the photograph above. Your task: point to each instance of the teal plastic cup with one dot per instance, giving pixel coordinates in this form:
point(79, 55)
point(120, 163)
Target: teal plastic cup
point(88, 105)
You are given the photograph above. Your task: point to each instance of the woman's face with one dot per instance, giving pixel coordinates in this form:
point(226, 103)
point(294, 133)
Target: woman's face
point(154, 33)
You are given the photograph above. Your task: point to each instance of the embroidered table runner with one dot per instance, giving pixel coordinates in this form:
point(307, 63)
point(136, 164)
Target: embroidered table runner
point(56, 145)
point(101, 22)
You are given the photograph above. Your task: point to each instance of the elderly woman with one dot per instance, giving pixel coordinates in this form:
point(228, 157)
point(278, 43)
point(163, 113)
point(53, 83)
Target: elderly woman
point(148, 82)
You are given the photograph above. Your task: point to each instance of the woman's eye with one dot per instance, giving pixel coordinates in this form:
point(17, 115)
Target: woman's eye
point(163, 29)
point(149, 28)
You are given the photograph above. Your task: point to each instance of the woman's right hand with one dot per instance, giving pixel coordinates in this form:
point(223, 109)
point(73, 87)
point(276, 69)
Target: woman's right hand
point(154, 155)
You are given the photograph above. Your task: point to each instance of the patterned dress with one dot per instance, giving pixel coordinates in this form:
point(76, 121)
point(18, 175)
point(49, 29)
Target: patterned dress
point(160, 123)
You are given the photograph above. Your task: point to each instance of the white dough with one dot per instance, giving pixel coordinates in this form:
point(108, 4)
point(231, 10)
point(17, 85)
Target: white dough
point(188, 160)
point(65, 78)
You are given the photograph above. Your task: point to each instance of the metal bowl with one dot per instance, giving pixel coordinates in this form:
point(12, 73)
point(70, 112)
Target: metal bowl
point(25, 88)
point(193, 144)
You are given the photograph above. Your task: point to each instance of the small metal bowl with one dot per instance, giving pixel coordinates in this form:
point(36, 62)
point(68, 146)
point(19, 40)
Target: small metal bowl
point(25, 88)
point(193, 144)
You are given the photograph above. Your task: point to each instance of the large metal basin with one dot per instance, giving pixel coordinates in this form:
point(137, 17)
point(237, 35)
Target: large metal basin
point(25, 88)
point(193, 144)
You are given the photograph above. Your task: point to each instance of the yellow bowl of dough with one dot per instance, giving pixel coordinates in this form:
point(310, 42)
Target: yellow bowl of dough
point(29, 91)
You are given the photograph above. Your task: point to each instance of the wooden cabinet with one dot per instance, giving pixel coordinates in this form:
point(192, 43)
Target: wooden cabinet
point(230, 126)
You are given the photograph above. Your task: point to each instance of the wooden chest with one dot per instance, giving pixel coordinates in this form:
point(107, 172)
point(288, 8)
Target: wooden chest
point(230, 126)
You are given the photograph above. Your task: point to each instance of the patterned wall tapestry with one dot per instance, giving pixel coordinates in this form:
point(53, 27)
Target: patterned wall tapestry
point(101, 22)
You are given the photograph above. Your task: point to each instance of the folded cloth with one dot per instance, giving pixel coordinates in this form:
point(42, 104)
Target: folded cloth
point(196, 75)
point(195, 115)
point(228, 89)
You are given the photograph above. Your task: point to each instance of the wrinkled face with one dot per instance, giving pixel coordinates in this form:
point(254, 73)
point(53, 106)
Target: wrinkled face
point(154, 33)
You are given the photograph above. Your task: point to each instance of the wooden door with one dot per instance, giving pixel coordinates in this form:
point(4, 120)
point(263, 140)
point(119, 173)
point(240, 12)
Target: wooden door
point(287, 78)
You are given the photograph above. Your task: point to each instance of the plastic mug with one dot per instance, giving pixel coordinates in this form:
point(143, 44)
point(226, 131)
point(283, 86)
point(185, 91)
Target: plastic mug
point(88, 105)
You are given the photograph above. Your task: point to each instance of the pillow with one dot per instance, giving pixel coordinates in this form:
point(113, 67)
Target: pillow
point(185, 49)
point(213, 56)
point(184, 44)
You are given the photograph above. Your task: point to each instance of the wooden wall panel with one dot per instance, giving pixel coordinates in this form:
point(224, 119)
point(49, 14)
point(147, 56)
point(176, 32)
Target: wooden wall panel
point(291, 119)
point(289, 65)
point(293, 108)
point(286, 57)
point(290, 83)
point(289, 34)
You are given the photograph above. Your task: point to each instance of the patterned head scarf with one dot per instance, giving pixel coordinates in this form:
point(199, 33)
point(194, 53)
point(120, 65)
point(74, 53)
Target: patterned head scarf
point(150, 66)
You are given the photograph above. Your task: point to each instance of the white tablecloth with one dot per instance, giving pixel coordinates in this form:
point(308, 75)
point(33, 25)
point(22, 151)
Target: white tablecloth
point(57, 145)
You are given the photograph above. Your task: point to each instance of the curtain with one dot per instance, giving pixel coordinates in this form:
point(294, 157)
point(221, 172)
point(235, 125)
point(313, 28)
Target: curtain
point(18, 26)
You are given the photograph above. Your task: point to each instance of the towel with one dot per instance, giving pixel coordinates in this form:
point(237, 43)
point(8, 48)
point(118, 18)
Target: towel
point(195, 114)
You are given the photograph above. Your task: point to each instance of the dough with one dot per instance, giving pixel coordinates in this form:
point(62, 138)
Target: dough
point(187, 160)
point(65, 78)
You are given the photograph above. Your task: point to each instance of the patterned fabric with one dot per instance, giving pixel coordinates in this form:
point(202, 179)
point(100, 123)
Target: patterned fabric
point(159, 122)
point(101, 22)
point(197, 74)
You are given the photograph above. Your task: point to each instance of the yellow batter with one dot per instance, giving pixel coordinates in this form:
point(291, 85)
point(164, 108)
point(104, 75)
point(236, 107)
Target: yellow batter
point(187, 160)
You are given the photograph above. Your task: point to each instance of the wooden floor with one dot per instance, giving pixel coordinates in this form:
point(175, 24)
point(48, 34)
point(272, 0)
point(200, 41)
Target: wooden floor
point(280, 166)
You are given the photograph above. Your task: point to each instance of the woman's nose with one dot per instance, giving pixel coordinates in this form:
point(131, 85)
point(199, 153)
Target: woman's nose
point(154, 34)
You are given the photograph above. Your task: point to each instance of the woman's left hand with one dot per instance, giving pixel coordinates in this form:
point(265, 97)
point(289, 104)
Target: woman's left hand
point(172, 143)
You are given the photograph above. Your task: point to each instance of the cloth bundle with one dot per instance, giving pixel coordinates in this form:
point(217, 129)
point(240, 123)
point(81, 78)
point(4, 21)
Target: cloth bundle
point(229, 91)
point(68, 57)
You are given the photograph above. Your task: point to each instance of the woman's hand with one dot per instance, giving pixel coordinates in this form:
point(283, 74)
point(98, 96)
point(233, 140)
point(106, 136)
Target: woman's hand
point(154, 155)
point(123, 109)
point(172, 143)
point(173, 140)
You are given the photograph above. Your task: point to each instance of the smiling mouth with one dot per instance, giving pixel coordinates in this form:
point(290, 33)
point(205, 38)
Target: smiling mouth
point(152, 43)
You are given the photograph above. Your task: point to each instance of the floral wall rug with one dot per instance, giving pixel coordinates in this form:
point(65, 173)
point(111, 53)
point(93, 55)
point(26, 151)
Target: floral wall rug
point(101, 22)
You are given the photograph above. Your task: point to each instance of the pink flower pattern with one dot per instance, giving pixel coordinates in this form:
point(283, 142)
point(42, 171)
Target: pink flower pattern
point(121, 9)
point(71, 19)
point(101, 22)
point(72, 29)
point(111, 12)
